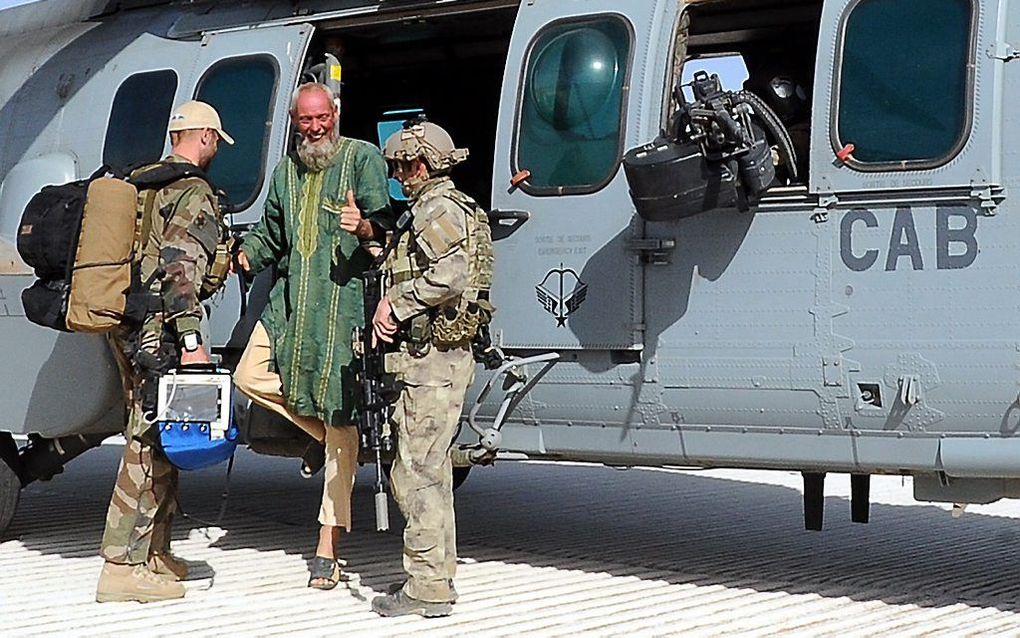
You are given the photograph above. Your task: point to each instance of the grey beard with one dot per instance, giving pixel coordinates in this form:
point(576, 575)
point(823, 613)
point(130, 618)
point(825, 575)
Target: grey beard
point(316, 156)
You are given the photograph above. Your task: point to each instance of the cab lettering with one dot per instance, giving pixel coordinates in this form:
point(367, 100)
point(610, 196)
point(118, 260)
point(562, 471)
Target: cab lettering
point(860, 246)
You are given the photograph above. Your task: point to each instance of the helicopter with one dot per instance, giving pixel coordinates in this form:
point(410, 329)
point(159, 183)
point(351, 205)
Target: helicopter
point(810, 272)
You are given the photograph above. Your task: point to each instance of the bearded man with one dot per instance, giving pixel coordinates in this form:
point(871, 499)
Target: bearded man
point(327, 202)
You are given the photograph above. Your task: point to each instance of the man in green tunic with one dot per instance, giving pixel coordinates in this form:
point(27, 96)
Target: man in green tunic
point(326, 202)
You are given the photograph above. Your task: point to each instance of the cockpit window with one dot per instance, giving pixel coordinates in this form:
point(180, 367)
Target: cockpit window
point(138, 119)
point(904, 80)
point(571, 115)
point(241, 90)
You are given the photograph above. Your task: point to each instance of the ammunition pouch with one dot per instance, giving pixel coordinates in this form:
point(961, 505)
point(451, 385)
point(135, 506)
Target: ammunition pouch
point(416, 332)
point(456, 324)
point(218, 271)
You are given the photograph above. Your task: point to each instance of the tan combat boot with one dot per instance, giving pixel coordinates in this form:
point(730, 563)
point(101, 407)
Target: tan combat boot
point(166, 564)
point(122, 583)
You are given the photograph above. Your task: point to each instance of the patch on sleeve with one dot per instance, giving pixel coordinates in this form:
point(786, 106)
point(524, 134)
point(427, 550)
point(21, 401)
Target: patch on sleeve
point(440, 228)
point(205, 232)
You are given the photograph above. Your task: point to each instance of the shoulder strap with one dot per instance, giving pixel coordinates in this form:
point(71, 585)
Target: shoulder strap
point(145, 227)
point(463, 200)
point(402, 225)
point(165, 173)
point(150, 180)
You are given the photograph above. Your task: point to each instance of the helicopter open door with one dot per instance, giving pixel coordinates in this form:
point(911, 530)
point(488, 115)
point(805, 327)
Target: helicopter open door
point(249, 75)
point(569, 110)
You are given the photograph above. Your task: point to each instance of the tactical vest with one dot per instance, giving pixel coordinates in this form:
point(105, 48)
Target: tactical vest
point(459, 320)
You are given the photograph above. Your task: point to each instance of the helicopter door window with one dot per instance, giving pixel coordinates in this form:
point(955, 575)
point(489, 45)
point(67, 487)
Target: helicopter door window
point(729, 67)
point(242, 90)
point(570, 127)
point(136, 133)
point(894, 110)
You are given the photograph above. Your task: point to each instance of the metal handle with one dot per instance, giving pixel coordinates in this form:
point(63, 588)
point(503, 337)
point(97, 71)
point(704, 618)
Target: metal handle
point(504, 216)
point(515, 390)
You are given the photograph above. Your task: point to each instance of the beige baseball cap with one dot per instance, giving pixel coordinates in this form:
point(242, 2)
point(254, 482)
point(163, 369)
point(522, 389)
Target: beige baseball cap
point(198, 115)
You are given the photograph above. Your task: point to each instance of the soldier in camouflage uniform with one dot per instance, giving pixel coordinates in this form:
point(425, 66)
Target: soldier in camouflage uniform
point(182, 262)
point(432, 309)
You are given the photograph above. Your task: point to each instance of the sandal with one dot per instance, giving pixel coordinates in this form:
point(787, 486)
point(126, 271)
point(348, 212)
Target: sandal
point(326, 571)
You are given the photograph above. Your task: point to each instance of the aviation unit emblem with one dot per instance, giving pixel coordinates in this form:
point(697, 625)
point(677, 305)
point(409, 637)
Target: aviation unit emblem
point(561, 293)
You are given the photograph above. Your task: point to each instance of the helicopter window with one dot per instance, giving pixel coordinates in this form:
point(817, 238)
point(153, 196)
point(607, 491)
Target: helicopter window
point(892, 108)
point(242, 90)
point(136, 133)
point(571, 115)
point(730, 68)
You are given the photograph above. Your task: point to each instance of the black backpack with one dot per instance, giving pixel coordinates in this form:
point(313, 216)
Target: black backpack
point(50, 231)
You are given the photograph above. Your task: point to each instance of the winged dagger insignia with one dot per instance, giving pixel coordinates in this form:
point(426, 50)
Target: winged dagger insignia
point(561, 293)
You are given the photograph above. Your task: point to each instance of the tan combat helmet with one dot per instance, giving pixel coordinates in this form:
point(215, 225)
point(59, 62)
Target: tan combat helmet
point(426, 140)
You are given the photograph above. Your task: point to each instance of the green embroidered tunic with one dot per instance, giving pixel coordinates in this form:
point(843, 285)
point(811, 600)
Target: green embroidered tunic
point(316, 297)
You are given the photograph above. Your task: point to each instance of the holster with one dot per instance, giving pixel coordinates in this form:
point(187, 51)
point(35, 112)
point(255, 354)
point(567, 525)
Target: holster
point(416, 332)
point(482, 350)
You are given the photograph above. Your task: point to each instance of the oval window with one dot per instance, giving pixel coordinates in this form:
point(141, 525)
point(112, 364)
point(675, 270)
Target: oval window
point(136, 133)
point(571, 118)
point(241, 90)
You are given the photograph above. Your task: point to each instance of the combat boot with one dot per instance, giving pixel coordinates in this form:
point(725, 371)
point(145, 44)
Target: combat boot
point(400, 604)
point(395, 587)
point(166, 564)
point(123, 583)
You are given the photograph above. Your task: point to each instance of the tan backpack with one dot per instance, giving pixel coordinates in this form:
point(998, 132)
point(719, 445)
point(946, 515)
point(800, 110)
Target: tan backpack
point(84, 240)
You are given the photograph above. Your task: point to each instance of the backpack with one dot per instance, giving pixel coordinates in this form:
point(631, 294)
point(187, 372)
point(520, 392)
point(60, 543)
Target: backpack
point(474, 311)
point(84, 240)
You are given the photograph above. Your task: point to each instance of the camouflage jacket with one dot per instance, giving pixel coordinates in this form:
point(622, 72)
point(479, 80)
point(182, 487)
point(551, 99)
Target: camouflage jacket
point(430, 266)
point(186, 232)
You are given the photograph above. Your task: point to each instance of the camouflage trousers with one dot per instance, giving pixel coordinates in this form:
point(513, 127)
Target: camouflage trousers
point(141, 510)
point(425, 420)
point(145, 493)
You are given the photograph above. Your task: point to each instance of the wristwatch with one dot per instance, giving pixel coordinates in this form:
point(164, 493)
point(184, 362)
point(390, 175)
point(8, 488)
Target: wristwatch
point(192, 341)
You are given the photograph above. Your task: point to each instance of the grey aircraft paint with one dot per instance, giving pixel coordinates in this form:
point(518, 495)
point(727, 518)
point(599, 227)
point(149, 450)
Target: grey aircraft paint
point(863, 321)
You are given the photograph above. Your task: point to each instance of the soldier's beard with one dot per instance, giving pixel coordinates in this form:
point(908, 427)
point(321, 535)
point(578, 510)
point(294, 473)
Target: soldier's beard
point(316, 156)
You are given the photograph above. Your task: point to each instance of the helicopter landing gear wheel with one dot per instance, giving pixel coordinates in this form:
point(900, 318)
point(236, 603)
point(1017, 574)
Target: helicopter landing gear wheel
point(10, 484)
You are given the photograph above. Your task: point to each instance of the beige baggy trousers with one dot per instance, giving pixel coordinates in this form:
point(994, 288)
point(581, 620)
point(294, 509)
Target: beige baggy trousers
point(255, 378)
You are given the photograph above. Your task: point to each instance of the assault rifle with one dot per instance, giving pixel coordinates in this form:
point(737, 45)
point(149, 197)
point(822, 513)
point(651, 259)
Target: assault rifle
point(371, 371)
point(378, 390)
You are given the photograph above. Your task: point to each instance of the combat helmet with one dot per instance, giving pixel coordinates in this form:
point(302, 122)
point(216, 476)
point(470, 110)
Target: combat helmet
point(431, 142)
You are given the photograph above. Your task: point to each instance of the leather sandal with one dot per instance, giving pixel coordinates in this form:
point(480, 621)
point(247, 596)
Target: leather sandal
point(324, 572)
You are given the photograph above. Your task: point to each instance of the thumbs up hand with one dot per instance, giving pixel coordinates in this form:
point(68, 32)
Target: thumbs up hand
point(350, 215)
